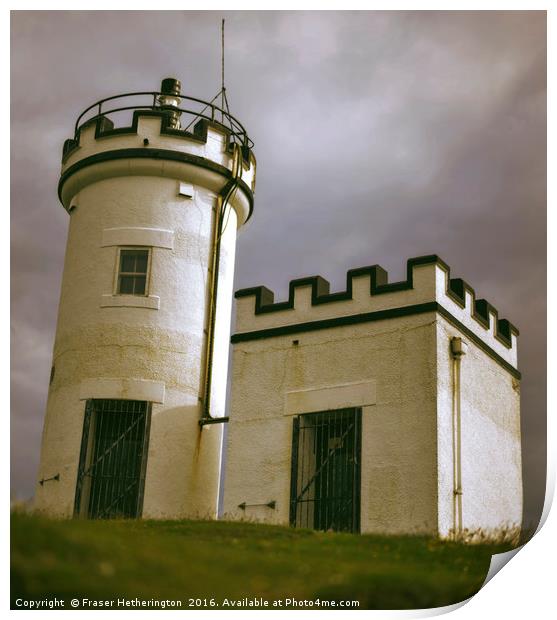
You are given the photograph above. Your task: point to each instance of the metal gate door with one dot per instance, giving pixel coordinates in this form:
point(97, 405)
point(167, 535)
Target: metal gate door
point(113, 458)
point(325, 480)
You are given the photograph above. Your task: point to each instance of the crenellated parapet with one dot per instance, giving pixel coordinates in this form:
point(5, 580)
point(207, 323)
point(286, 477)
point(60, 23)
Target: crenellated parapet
point(202, 130)
point(369, 296)
point(201, 152)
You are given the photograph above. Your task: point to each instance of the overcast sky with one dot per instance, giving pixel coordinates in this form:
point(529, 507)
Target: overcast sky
point(379, 136)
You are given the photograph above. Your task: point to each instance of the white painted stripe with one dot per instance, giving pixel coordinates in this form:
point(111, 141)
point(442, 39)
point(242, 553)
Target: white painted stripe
point(131, 301)
point(153, 237)
point(330, 397)
point(126, 389)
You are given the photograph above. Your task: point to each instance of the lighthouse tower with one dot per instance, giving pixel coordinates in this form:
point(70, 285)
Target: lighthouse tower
point(138, 378)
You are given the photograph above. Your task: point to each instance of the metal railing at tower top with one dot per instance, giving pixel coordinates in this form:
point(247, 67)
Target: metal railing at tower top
point(196, 109)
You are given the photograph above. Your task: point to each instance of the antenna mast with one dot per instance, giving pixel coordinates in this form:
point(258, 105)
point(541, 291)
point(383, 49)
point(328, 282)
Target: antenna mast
point(222, 92)
point(222, 88)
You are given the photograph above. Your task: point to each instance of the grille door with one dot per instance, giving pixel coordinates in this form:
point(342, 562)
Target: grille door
point(325, 479)
point(113, 459)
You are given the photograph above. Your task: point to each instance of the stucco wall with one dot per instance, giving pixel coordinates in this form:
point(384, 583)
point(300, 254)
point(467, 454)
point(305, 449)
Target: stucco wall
point(398, 430)
point(490, 438)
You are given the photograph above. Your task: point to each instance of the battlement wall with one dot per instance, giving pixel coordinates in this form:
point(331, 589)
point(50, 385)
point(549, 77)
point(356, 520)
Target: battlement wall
point(149, 136)
point(370, 297)
point(206, 138)
point(204, 156)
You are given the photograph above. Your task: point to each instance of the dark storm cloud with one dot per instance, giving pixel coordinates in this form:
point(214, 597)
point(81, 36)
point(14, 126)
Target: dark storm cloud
point(379, 136)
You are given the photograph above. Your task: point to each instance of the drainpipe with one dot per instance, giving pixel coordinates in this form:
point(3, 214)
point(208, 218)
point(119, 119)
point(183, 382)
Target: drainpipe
point(223, 199)
point(458, 349)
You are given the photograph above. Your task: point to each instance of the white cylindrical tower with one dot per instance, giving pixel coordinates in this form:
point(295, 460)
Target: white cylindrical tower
point(138, 377)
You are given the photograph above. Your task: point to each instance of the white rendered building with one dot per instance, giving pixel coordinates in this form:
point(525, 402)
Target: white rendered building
point(388, 408)
point(141, 351)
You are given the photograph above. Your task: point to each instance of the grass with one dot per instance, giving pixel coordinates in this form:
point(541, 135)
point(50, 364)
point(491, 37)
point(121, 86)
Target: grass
point(221, 560)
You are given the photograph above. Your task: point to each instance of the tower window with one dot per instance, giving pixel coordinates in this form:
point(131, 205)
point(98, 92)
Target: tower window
point(133, 267)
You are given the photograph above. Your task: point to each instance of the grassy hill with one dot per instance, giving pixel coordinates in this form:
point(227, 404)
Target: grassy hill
point(228, 562)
